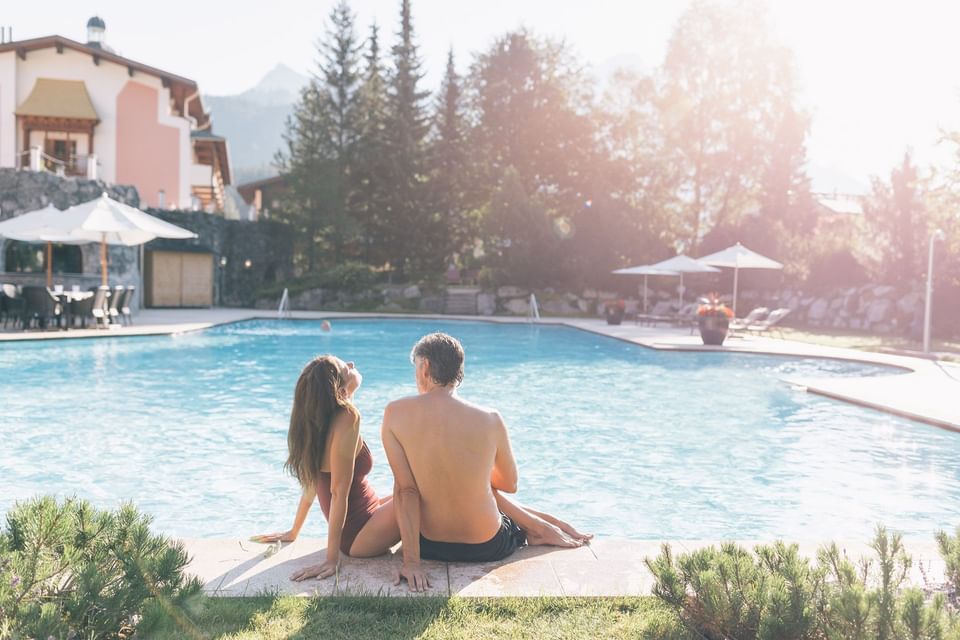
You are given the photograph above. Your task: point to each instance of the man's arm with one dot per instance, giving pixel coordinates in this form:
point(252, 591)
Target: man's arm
point(504, 474)
point(406, 497)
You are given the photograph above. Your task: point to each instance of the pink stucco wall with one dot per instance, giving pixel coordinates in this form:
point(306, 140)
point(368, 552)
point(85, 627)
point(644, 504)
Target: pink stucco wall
point(148, 153)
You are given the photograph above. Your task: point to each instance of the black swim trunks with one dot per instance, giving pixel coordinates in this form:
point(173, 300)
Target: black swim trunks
point(508, 539)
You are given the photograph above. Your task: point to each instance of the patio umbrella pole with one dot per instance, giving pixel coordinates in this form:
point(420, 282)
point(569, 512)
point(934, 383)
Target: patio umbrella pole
point(49, 264)
point(680, 293)
point(103, 259)
point(736, 277)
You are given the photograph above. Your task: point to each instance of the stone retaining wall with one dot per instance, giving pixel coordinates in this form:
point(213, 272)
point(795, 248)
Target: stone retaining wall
point(23, 191)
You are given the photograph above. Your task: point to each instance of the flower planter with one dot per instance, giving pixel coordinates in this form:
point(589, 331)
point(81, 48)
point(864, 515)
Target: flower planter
point(614, 314)
point(713, 329)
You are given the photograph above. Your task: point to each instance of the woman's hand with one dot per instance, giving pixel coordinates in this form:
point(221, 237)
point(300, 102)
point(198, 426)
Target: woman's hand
point(319, 571)
point(270, 538)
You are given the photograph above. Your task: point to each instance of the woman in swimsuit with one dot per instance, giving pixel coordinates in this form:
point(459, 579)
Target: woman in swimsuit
point(331, 461)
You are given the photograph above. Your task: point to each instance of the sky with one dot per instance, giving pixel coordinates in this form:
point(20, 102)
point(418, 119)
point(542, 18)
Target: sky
point(878, 77)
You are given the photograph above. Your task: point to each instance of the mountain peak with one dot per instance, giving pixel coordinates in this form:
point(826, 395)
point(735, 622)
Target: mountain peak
point(281, 78)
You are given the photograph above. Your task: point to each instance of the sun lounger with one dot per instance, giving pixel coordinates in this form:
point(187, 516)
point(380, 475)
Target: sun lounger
point(771, 323)
point(99, 310)
point(758, 314)
point(125, 304)
point(116, 299)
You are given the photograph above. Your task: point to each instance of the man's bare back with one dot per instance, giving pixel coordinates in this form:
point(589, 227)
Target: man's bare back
point(453, 448)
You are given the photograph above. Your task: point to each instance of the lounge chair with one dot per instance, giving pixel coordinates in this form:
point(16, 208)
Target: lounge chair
point(116, 299)
point(687, 316)
point(81, 310)
point(659, 313)
point(125, 304)
point(771, 323)
point(99, 309)
point(758, 314)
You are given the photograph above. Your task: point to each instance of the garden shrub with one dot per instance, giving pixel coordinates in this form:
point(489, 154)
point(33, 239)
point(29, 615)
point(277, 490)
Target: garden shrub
point(69, 570)
point(950, 552)
point(774, 593)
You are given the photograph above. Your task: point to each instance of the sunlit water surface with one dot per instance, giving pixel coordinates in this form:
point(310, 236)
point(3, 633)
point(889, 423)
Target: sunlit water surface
point(617, 439)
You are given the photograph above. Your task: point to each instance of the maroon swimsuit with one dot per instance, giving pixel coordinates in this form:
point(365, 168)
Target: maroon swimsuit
point(362, 500)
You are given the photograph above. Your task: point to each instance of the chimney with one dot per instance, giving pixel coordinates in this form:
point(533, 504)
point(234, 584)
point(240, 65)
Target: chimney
point(96, 32)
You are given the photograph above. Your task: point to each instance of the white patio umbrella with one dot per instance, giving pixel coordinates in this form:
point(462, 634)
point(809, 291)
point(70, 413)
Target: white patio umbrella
point(739, 257)
point(646, 271)
point(40, 225)
point(112, 222)
point(683, 264)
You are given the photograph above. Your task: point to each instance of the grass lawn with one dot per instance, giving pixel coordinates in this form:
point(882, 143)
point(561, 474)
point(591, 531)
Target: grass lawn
point(292, 618)
point(871, 342)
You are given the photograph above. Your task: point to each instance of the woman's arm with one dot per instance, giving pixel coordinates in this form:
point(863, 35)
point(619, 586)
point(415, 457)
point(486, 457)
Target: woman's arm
point(343, 452)
point(307, 499)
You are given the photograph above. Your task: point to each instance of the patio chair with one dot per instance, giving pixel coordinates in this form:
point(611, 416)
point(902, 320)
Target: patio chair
point(771, 323)
point(758, 314)
point(125, 304)
point(82, 310)
point(11, 304)
point(116, 299)
point(40, 306)
point(687, 316)
point(99, 307)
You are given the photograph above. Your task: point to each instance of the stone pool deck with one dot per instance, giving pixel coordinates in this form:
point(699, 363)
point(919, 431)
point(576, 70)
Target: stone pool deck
point(607, 567)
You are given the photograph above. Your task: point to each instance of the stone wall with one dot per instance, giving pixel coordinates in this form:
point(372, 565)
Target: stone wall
point(23, 191)
point(247, 255)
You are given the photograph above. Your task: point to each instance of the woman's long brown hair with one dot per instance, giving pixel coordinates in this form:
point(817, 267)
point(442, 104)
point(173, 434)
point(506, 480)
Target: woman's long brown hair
point(319, 397)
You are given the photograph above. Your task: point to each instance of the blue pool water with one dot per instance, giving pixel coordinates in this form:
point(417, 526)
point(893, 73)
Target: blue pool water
point(618, 439)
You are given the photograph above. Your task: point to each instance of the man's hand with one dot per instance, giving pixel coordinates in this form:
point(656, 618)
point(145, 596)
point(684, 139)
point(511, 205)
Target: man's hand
point(319, 571)
point(415, 576)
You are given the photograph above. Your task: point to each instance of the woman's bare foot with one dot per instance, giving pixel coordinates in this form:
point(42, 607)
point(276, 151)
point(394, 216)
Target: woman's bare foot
point(552, 535)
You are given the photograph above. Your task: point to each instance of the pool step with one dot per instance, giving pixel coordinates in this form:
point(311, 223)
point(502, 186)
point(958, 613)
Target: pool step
point(463, 303)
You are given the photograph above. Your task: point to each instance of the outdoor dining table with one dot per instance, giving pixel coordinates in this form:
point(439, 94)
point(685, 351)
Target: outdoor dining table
point(66, 299)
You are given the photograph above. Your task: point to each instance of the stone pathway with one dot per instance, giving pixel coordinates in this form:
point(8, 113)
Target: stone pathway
point(608, 567)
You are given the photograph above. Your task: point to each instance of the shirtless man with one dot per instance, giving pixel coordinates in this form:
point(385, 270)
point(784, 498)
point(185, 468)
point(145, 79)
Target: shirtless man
point(451, 462)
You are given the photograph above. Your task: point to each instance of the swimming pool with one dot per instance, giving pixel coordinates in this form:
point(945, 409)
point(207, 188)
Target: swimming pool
point(618, 439)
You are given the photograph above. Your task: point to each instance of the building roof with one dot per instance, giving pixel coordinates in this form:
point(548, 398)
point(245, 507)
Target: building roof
point(842, 203)
point(96, 21)
point(248, 190)
point(180, 88)
point(58, 99)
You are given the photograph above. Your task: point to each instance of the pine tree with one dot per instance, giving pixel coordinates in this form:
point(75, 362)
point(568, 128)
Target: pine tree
point(448, 179)
point(409, 221)
point(319, 139)
point(370, 172)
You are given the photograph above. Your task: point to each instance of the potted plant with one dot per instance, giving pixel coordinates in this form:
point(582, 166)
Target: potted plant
point(614, 311)
point(713, 318)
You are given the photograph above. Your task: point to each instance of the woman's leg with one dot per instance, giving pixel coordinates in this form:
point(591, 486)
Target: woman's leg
point(540, 528)
point(379, 533)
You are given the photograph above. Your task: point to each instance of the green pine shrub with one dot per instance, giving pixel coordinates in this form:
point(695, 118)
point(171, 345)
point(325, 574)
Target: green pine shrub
point(950, 552)
point(775, 594)
point(69, 570)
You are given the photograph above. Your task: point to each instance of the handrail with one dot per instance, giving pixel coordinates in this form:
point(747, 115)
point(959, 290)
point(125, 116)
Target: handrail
point(534, 309)
point(283, 311)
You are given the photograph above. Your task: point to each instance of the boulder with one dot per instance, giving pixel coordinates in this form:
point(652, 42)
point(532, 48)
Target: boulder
point(432, 304)
point(882, 290)
point(558, 307)
point(879, 311)
point(413, 291)
point(509, 291)
point(584, 306)
point(818, 310)
point(589, 294)
point(517, 306)
point(486, 304)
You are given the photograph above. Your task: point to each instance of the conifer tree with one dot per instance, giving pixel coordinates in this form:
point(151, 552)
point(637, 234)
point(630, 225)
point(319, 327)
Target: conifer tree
point(448, 170)
point(320, 136)
point(370, 174)
point(409, 222)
